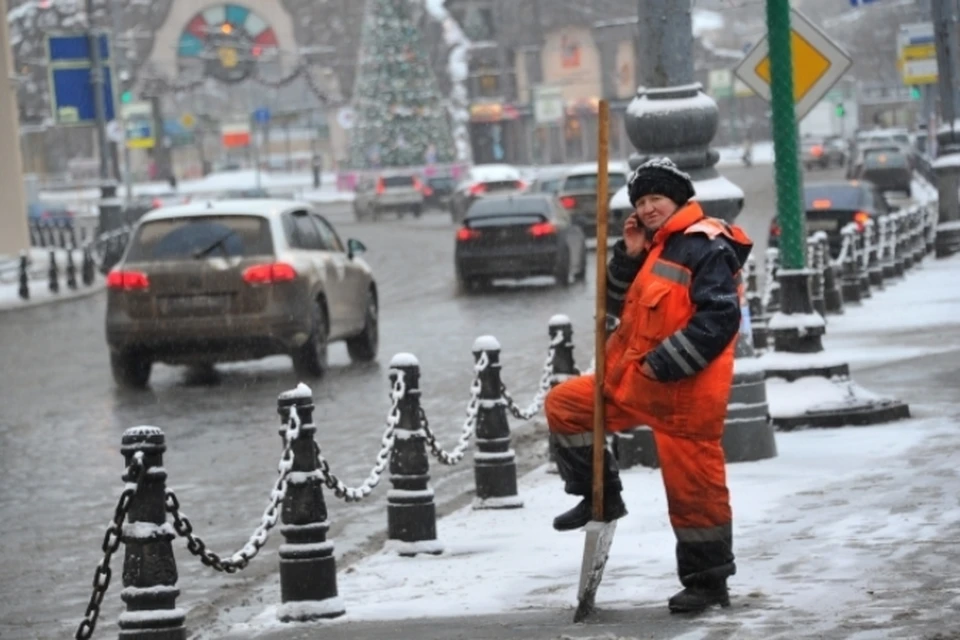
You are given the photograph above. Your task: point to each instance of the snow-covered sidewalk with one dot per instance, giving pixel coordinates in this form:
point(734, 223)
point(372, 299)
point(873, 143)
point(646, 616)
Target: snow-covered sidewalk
point(847, 533)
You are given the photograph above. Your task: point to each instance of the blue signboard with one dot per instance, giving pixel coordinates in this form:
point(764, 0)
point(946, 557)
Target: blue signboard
point(261, 115)
point(860, 3)
point(71, 86)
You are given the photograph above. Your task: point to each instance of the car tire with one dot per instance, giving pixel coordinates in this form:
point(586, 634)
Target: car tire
point(363, 346)
point(130, 369)
point(581, 275)
point(310, 359)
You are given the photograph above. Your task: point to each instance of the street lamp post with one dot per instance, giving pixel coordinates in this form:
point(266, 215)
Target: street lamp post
point(109, 208)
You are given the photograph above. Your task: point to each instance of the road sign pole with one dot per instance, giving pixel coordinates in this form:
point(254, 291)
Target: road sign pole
point(786, 165)
point(99, 106)
point(802, 333)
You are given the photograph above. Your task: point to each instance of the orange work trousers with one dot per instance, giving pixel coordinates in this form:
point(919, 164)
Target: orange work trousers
point(694, 476)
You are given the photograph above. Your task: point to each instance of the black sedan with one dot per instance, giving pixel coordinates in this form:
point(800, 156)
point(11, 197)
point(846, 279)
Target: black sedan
point(830, 206)
point(518, 236)
point(888, 168)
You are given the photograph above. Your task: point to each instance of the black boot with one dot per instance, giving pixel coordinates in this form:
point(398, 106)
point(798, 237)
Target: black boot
point(699, 598)
point(582, 513)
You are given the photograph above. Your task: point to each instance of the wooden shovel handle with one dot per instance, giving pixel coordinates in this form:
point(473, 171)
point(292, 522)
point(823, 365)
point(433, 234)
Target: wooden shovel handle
point(600, 330)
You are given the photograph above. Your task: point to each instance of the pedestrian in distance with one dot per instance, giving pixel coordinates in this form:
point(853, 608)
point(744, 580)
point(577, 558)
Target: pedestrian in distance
point(674, 289)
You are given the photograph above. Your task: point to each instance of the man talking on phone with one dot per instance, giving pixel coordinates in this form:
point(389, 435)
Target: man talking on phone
point(674, 285)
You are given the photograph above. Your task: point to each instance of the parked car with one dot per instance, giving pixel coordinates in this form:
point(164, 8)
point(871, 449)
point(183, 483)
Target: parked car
point(236, 280)
point(889, 169)
point(517, 236)
point(578, 194)
point(483, 180)
point(830, 206)
point(437, 191)
point(388, 193)
point(49, 213)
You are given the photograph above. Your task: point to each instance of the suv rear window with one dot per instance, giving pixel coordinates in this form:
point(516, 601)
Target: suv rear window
point(833, 196)
point(398, 181)
point(881, 158)
point(510, 207)
point(588, 182)
point(184, 238)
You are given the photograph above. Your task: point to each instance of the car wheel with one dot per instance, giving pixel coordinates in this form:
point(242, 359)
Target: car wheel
point(130, 369)
point(310, 359)
point(363, 347)
point(582, 274)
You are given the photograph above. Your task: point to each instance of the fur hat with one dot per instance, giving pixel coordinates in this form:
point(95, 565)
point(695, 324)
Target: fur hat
point(660, 176)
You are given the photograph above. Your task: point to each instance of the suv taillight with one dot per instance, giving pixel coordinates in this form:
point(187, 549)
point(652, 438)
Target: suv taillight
point(269, 273)
point(861, 218)
point(119, 280)
point(465, 235)
point(477, 189)
point(542, 229)
point(568, 202)
point(381, 187)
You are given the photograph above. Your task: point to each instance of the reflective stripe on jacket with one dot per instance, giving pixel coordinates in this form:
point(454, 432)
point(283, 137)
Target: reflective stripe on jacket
point(680, 315)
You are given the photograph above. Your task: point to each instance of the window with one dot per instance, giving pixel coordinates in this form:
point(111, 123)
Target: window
point(306, 235)
point(392, 182)
point(329, 237)
point(588, 182)
point(183, 238)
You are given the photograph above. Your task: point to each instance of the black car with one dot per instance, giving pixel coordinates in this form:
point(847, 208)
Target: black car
point(830, 206)
point(889, 169)
point(437, 191)
point(518, 236)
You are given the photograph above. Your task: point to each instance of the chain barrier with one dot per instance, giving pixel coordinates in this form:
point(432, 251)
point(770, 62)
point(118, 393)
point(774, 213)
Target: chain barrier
point(111, 542)
point(546, 378)
point(356, 494)
point(469, 424)
point(240, 559)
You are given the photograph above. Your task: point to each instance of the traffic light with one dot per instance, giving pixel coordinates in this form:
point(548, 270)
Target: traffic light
point(840, 110)
point(126, 97)
point(914, 92)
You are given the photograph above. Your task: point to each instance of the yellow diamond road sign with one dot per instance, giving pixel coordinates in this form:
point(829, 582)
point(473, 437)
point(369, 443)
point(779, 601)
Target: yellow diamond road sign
point(818, 63)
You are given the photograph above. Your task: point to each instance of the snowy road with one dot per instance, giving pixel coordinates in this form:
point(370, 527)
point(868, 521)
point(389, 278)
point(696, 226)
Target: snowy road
point(61, 420)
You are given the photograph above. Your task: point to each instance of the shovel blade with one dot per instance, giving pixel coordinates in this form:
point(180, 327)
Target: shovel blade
point(596, 550)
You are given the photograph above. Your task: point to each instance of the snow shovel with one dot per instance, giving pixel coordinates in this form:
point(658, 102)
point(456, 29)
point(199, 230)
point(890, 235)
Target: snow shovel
point(596, 548)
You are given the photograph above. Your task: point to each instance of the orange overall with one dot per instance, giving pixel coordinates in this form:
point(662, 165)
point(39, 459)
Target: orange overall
point(686, 415)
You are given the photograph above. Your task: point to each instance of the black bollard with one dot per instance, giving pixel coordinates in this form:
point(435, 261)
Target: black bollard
point(411, 512)
point(61, 234)
point(308, 569)
point(772, 291)
point(564, 366)
point(494, 463)
point(149, 567)
point(849, 266)
point(71, 271)
point(24, 289)
point(755, 303)
point(863, 262)
point(874, 253)
point(815, 262)
point(832, 295)
point(887, 240)
point(87, 267)
point(53, 274)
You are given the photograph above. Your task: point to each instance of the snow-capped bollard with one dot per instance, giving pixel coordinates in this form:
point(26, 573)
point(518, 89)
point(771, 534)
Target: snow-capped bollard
point(494, 463)
point(832, 295)
point(758, 318)
point(149, 567)
point(87, 267)
point(23, 290)
point(863, 263)
point(561, 337)
point(888, 266)
point(560, 329)
point(874, 253)
point(308, 570)
point(849, 270)
point(53, 274)
point(918, 247)
point(71, 271)
point(816, 262)
point(411, 512)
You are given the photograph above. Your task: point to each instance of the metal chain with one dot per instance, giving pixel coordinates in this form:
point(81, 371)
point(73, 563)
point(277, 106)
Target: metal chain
point(356, 494)
point(111, 542)
point(469, 424)
point(240, 559)
point(546, 380)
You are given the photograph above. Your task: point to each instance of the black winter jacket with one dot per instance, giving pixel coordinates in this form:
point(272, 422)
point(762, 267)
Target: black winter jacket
point(715, 266)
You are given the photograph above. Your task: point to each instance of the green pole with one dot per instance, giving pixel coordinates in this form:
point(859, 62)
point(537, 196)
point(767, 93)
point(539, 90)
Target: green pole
point(793, 232)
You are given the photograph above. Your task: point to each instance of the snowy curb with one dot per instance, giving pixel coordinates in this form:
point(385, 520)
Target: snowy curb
point(64, 296)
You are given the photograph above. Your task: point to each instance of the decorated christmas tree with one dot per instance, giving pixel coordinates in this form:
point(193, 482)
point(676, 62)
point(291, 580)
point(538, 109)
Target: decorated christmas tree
point(401, 119)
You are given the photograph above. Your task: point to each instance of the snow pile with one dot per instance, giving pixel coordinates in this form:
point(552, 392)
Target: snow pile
point(705, 21)
point(643, 106)
point(458, 68)
point(815, 394)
